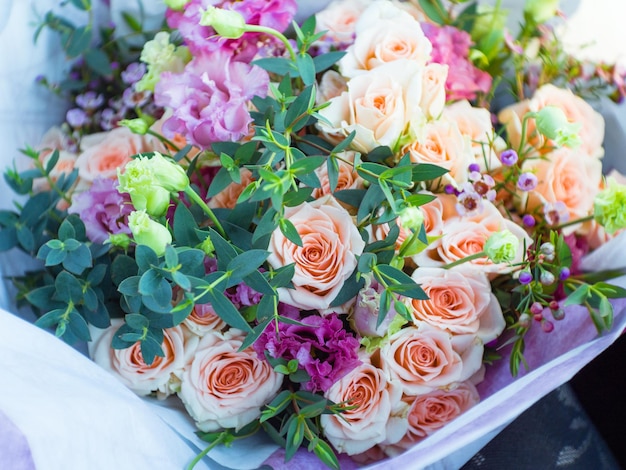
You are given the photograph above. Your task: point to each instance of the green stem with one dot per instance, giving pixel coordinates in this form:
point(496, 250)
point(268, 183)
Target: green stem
point(272, 32)
point(574, 222)
point(481, 254)
point(207, 210)
point(208, 449)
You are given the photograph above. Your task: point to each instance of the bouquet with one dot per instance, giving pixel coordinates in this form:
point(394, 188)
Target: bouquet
point(327, 231)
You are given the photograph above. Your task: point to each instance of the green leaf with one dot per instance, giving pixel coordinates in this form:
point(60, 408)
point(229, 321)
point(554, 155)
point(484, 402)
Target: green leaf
point(50, 319)
point(255, 333)
point(609, 290)
point(314, 409)
point(295, 436)
point(185, 227)
point(400, 282)
point(325, 61)
point(298, 110)
point(77, 41)
point(276, 65)
point(145, 258)
point(84, 5)
point(245, 264)
point(349, 290)
point(306, 68)
point(427, 172)
point(227, 311)
point(98, 61)
point(150, 349)
point(129, 286)
point(78, 260)
point(325, 453)
point(55, 257)
point(282, 276)
point(78, 326)
point(136, 321)
point(132, 22)
point(435, 10)
point(68, 288)
point(578, 297)
point(289, 230)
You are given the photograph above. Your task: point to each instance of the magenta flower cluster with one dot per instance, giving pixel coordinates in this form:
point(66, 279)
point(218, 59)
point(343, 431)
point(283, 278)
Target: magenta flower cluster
point(103, 210)
point(275, 14)
point(323, 347)
point(210, 98)
point(451, 46)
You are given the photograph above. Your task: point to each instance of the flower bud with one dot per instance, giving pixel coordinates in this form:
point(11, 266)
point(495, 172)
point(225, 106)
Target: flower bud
point(145, 193)
point(119, 239)
point(552, 123)
point(207, 246)
point(547, 326)
point(608, 207)
point(137, 126)
point(547, 250)
point(540, 11)
point(411, 218)
point(170, 175)
point(546, 278)
point(149, 232)
point(176, 5)
point(501, 247)
point(524, 320)
point(227, 23)
point(525, 277)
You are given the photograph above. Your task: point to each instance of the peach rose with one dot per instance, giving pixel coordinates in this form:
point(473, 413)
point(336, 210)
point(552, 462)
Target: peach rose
point(327, 257)
point(203, 320)
point(379, 415)
point(162, 376)
point(384, 34)
point(460, 301)
point(224, 387)
point(64, 166)
point(339, 20)
point(475, 123)
point(331, 85)
point(423, 358)
point(466, 236)
point(434, 90)
point(440, 143)
point(103, 153)
point(564, 175)
point(348, 177)
point(379, 106)
point(227, 199)
point(432, 411)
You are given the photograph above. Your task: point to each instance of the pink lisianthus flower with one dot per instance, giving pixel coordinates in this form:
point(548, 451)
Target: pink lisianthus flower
point(275, 14)
point(103, 210)
point(323, 348)
point(209, 100)
point(451, 46)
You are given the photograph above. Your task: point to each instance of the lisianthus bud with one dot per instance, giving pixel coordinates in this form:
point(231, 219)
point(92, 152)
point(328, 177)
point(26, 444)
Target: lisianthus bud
point(227, 23)
point(161, 56)
point(488, 19)
point(540, 11)
point(168, 173)
point(139, 181)
point(119, 239)
point(501, 247)
point(608, 207)
point(411, 218)
point(552, 123)
point(149, 232)
point(137, 126)
point(176, 4)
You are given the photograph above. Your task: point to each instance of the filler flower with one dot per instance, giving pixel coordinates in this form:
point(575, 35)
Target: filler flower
point(608, 207)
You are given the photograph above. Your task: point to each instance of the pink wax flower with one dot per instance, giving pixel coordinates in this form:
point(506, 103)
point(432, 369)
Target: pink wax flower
point(210, 98)
point(103, 210)
point(323, 348)
point(451, 46)
point(275, 14)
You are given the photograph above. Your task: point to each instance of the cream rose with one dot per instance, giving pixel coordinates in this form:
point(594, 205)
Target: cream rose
point(162, 376)
point(379, 105)
point(339, 20)
point(224, 387)
point(434, 90)
point(103, 153)
point(564, 175)
point(385, 33)
point(459, 301)
point(203, 320)
point(379, 415)
point(440, 143)
point(423, 358)
point(330, 86)
point(330, 244)
point(432, 411)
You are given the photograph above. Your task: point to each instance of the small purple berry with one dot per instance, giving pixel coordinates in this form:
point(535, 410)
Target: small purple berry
point(558, 314)
point(509, 157)
point(525, 277)
point(474, 167)
point(536, 308)
point(547, 326)
point(564, 274)
point(449, 189)
point(527, 182)
point(528, 220)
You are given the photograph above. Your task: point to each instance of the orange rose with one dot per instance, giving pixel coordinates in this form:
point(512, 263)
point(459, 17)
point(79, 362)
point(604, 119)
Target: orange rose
point(327, 257)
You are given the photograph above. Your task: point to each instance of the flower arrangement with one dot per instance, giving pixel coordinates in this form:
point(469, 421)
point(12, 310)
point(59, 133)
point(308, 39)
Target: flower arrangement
point(330, 236)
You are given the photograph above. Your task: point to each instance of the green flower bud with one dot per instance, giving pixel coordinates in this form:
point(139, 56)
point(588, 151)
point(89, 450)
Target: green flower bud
point(119, 239)
point(176, 4)
point(140, 182)
point(207, 246)
point(608, 207)
point(540, 11)
point(552, 123)
point(137, 126)
point(170, 175)
point(227, 23)
point(501, 247)
point(149, 232)
point(488, 19)
point(411, 218)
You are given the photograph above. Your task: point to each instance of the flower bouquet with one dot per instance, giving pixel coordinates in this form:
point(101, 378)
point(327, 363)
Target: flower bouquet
point(335, 235)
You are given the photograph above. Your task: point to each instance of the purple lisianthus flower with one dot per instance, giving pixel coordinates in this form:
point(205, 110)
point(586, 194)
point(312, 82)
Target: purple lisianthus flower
point(210, 98)
point(103, 210)
point(76, 118)
point(133, 73)
point(323, 348)
point(90, 100)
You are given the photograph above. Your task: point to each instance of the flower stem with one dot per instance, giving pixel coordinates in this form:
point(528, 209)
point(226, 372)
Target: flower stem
point(208, 449)
point(480, 254)
point(272, 32)
point(574, 222)
point(207, 210)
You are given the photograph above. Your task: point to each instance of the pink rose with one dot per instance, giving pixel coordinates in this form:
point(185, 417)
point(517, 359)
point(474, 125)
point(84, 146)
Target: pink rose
point(565, 175)
point(227, 198)
point(103, 153)
point(440, 143)
point(224, 387)
point(423, 358)
point(434, 90)
point(379, 415)
point(162, 376)
point(379, 105)
point(327, 257)
point(460, 301)
point(432, 411)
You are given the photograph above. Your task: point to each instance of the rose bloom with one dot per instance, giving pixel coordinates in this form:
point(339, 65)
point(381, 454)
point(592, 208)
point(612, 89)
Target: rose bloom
point(475, 123)
point(575, 108)
point(564, 175)
point(384, 34)
point(423, 358)
point(379, 105)
point(440, 143)
point(331, 85)
point(203, 320)
point(227, 198)
point(128, 365)
point(459, 301)
point(330, 244)
point(432, 411)
point(339, 19)
point(434, 90)
point(348, 177)
point(224, 387)
point(103, 153)
point(466, 235)
point(379, 415)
